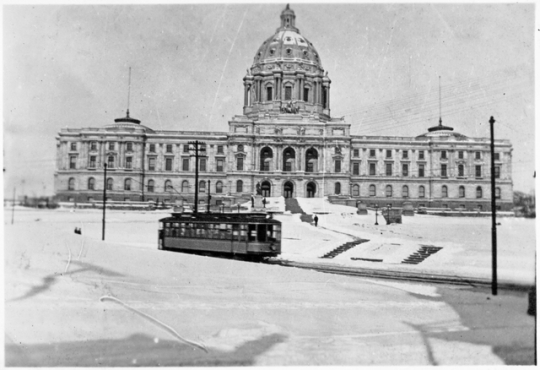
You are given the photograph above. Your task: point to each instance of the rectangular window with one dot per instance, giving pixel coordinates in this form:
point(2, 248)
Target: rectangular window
point(497, 172)
point(421, 154)
point(93, 145)
point(405, 154)
point(372, 152)
point(461, 170)
point(73, 146)
point(389, 169)
point(220, 149)
point(72, 162)
point(478, 155)
point(151, 164)
point(185, 164)
point(288, 92)
point(478, 171)
point(443, 170)
point(388, 153)
point(92, 163)
point(168, 164)
point(169, 148)
point(356, 153)
point(186, 148)
point(306, 94)
point(337, 166)
point(405, 170)
point(202, 164)
point(239, 164)
point(460, 154)
point(129, 162)
point(152, 148)
point(443, 154)
point(421, 170)
point(269, 96)
point(219, 165)
point(497, 156)
point(372, 169)
point(356, 168)
point(129, 147)
point(111, 146)
point(110, 162)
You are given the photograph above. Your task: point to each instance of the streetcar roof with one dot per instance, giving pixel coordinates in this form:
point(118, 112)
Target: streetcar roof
point(221, 218)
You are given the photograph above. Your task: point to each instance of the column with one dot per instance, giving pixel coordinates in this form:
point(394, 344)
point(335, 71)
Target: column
point(246, 89)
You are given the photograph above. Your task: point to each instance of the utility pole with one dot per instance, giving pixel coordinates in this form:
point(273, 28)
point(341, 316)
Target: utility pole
point(493, 212)
point(198, 146)
point(13, 209)
point(104, 199)
point(209, 198)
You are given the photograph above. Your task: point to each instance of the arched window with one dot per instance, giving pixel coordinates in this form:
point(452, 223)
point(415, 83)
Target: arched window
point(405, 191)
point(462, 191)
point(311, 160)
point(71, 184)
point(168, 185)
point(127, 184)
point(151, 186)
point(356, 190)
point(444, 191)
point(497, 193)
point(421, 192)
point(91, 183)
point(202, 186)
point(239, 186)
point(479, 192)
point(109, 183)
point(269, 96)
point(388, 191)
point(219, 187)
point(266, 158)
point(289, 156)
point(185, 186)
point(337, 188)
point(372, 191)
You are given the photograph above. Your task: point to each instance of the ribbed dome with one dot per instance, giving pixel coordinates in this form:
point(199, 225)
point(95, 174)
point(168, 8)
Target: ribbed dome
point(287, 44)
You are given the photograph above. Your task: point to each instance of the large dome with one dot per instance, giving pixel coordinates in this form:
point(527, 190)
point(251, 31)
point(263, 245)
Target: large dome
point(287, 45)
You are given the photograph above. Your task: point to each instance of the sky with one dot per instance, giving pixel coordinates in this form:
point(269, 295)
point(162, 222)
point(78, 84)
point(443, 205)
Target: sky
point(68, 66)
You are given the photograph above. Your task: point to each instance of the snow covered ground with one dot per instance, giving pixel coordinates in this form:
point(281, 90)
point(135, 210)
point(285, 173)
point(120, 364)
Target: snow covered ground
point(74, 300)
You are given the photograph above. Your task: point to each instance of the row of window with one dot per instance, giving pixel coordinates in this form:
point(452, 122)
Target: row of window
point(250, 232)
point(443, 171)
point(111, 145)
point(151, 186)
point(421, 191)
point(422, 154)
point(111, 163)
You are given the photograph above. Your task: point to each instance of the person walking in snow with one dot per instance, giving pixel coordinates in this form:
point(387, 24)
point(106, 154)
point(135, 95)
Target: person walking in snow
point(316, 220)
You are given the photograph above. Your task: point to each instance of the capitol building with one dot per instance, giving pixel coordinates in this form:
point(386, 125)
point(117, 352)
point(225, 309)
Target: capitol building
point(288, 143)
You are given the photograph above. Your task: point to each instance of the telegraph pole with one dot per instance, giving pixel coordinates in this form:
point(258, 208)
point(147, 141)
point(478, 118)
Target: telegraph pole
point(104, 199)
point(493, 212)
point(198, 146)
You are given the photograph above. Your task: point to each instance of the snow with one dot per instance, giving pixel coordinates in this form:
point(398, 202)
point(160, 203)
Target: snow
point(74, 300)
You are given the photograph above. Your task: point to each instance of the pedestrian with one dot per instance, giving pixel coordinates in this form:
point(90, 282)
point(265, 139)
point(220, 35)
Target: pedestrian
point(316, 220)
point(264, 202)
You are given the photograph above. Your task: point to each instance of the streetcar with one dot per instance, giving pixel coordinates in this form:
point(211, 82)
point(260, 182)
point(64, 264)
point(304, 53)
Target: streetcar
point(252, 236)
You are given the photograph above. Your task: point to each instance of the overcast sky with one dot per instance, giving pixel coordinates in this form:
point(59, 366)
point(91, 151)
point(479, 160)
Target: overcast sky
point(67, 66)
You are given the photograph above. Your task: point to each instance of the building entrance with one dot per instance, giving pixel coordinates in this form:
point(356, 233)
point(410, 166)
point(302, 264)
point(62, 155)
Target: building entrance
point(311, 190)
point(288, 189)
point(266, 189)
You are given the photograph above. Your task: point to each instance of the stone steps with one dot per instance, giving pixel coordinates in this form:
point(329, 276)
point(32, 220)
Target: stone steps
point(421, 254)
point(344, 247)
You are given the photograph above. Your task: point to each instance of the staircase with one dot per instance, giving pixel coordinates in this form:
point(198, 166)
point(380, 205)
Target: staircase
point(292, 205)
point(344, 247)
point(420, 255)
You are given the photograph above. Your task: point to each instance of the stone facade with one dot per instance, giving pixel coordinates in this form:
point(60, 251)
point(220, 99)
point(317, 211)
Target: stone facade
point(287, 142)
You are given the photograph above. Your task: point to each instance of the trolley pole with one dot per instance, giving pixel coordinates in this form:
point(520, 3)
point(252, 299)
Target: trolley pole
point(197, 149)
point(104, 199)
point(493, 212)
